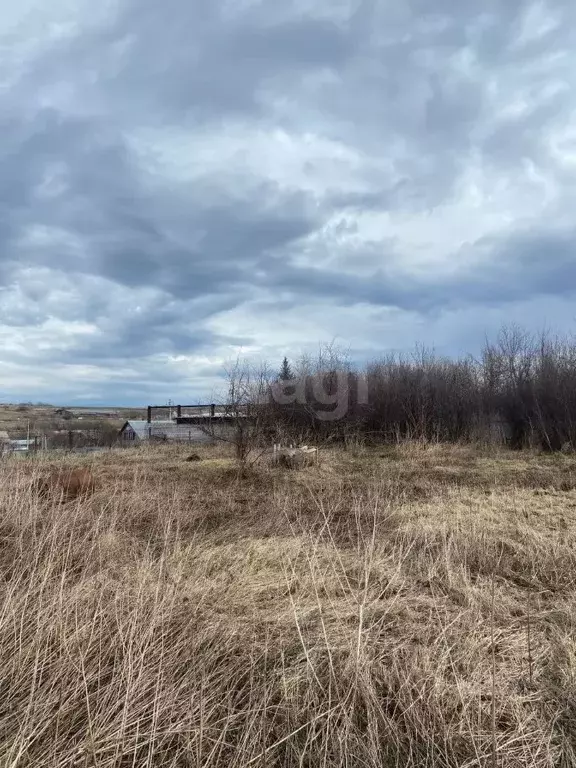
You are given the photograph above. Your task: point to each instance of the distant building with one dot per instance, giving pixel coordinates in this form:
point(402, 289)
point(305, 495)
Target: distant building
point(187, 424)
point(138, 431)
point(22, 446)
point(64, 413)
point(93, 413)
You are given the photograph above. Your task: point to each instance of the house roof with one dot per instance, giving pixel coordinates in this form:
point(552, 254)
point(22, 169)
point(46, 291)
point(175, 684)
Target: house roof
point(141, 426)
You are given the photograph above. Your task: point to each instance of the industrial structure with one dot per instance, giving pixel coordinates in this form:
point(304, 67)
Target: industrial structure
point(187, 424)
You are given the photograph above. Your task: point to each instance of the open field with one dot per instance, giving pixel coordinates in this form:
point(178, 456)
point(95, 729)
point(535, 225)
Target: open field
point(21, 420)
point(411, 606)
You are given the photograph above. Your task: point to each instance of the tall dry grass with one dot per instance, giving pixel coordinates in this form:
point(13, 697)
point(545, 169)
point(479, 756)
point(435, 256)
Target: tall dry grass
point(371, 612)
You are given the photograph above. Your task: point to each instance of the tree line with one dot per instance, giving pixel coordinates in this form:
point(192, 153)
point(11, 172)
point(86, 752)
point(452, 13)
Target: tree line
point(521, 390)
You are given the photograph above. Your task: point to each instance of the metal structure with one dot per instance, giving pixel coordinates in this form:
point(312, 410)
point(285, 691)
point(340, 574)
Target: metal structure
point(187, 424)
point(197, 414)
point(199, 411)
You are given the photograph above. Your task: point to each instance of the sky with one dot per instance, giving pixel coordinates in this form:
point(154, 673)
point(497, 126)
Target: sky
point(184, 182)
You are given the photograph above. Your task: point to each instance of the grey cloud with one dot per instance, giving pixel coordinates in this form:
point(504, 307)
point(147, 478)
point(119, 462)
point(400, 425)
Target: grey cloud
point(515, 268)
point(406, 75)
point(185, 244)
point(522, 136)
point(186, 60)
point(413, 87)
point(526, 264)
point(135, 240)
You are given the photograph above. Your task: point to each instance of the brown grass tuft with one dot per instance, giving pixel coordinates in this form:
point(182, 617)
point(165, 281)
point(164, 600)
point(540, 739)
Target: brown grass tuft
point(65, 484)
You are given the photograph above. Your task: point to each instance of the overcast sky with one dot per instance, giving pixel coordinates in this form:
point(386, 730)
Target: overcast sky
point(186, 179)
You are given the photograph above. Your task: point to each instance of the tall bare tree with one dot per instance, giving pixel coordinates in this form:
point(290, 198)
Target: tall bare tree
point(243, 418)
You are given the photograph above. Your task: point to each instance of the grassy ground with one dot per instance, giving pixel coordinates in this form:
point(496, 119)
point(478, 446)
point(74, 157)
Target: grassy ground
point(21, 420)
point(404, 607)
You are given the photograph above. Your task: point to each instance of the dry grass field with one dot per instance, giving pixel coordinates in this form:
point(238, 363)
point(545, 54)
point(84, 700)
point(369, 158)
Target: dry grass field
point(410, 606)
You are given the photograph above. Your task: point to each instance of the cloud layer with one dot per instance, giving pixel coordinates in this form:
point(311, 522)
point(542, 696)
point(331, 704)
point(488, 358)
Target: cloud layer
point(180, 181)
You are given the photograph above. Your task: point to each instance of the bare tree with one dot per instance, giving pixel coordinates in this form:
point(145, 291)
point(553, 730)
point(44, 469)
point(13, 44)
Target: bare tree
point(243, 418)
